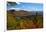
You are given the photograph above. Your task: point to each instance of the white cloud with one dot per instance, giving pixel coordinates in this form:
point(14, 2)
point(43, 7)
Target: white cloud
point(14, 8)
point(18, 3)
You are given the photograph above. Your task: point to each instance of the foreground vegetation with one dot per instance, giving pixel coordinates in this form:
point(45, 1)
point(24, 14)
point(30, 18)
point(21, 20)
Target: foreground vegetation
point(14, 22)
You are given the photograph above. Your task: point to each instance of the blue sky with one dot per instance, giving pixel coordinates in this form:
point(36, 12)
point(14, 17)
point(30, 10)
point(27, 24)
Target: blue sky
point(27, 6)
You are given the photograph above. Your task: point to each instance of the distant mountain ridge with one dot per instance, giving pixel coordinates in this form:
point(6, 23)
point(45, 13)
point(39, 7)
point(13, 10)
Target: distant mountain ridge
point(26, 13)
